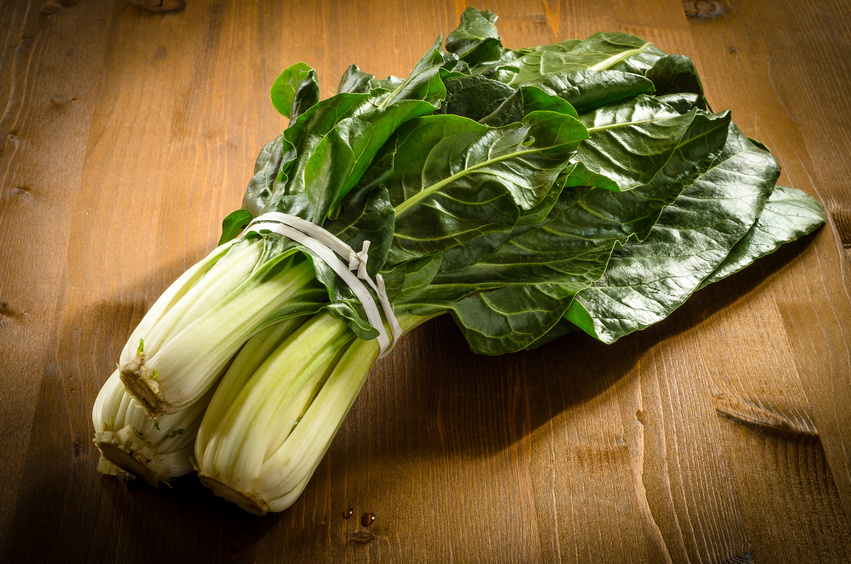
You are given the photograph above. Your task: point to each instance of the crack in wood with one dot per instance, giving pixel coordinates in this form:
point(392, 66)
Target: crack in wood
point(361, 537)
point(9, 314)
point(760, 418)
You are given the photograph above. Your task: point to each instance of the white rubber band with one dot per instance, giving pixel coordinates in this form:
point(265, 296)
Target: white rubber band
point(326, 247)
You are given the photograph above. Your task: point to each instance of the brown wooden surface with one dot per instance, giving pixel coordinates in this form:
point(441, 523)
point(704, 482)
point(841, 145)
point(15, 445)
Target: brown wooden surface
point(720, 435)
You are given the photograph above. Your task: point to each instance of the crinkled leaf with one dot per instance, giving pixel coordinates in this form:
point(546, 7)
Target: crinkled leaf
point(681, 103)
point(476, 249)
point(601, 51)
point(509, 319)
point(788, 214)
point(366, 216)
point(572, 247)
point(629, 142)
point(262, 184)
point(452, 180)
point(473, 96)
point(645, 281)
point(475, 39)
point(523, 101)
point(676, 74)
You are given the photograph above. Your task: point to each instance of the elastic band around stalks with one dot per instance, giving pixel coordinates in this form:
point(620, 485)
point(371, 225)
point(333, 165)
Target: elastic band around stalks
point(326, 247)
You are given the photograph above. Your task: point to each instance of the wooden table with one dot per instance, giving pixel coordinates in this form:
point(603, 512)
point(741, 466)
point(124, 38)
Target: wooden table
point(721, 435)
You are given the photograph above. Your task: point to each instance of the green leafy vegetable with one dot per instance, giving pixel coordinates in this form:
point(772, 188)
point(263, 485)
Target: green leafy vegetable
point(528, 193)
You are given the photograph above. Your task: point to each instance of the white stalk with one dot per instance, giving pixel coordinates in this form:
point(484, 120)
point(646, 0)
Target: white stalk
point(161, 449)
point(154, 450)
point(178, 357)
point(268, 431)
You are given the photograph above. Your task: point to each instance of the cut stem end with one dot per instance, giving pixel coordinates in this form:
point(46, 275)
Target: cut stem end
point(249, 502)
point(145, 390)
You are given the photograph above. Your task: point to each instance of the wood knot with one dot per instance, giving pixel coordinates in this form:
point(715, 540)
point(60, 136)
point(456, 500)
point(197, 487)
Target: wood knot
point(21, 193)
point(704, 9)
point(51, 8)
point(159, 6)
point(8, 314)
point(842, 220)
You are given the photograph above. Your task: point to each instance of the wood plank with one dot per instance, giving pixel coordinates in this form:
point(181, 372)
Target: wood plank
point(794, 104)
point(50, 85)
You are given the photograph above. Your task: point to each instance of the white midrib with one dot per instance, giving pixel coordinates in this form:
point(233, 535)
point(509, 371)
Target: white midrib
point(615, 59)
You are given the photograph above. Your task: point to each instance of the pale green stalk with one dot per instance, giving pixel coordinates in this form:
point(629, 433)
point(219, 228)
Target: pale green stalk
point(265, 433)
point(154, 450)
point(181, 348)
point(161, 449)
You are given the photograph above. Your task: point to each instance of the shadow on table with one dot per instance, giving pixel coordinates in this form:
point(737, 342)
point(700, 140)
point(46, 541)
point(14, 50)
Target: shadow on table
point(462, 404)
point(431, 397)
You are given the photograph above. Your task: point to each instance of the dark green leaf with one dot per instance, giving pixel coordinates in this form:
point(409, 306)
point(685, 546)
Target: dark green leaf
point(601, 51)
point(452, 179)
point(788, 214)
point(306, 95)
point(572, 247)
point(509, 319)
point(366, 216)
point(645, 281)
point(476, 38)
point(524, 101)
point(682, 103)
point(330, 146)
point(588, 90)
point(287, 84)
point(233, 225)
point(262, 184)
point(676, 74)
point(355, 81)
point(629, 142)
point(473, 96)
point(407, 279)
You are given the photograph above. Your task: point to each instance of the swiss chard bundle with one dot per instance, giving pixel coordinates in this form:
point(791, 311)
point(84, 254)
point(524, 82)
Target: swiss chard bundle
point(580, 186)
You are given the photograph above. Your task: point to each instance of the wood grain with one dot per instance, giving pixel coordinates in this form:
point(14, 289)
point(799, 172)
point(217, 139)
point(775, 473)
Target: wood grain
point(720, 435)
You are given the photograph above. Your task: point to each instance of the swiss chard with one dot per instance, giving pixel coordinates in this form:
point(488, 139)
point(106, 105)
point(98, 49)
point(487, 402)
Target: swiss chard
point(526, 192)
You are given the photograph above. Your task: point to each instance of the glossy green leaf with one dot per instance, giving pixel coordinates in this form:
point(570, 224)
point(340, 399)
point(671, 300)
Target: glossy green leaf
point(573, 244)
point(509, 319)
point(233, 225)
point(523, 101)
point(452, 179)
point(287, 84)
point(676, 74)
point(355, 81)
point(476, 38)
point(629, 142)
point(588, 90)
point(601, 51)
point(474, 97)
point(645, 281)
point(565, 254)
point(788, 214)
